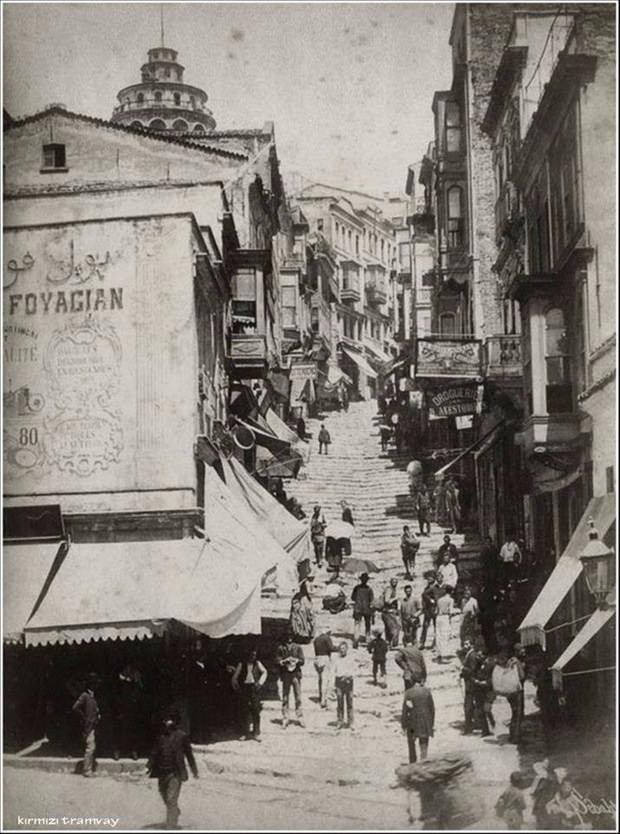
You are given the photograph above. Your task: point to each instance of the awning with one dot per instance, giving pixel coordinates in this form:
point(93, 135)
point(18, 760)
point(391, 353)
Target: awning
point(337, 375)
point(286, 465)
point(392, 366)
point(26, 571)
point(568, 567)
point(361, 363)
point(292, 534)
point(265, 437)
point(590, 629)
point(128, 590)
point(379, 355)
point(492, 435)
point(279, 428)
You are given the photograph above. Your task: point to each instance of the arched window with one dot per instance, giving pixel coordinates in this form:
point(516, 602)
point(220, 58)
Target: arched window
point(137, 125)
point(158, 96)
point(140, 98)
point(177, 99)
point(447, 324)
point(157, 124)
point(453, 127)
point(455, 217)
point(180, 124)
point(558, 363)
point(198, 128)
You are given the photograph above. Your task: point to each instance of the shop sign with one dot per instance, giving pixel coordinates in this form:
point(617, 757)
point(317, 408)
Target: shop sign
point(454, 400)
point(448, 358)
point(303, 371)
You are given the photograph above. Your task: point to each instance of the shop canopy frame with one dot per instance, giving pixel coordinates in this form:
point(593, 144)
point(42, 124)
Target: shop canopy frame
point(361, 362)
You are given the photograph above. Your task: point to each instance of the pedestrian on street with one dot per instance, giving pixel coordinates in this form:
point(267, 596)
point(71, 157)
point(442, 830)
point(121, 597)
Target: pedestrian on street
point(447, 574)
point(385, 433)
point(324, 439)
point(470, 662)
point(290, 659)
point(483, 690)
point(542, 791)
point(317, 534)
point(347, 515)
point(344, 671)
point(248, 679)
point(409, 616)
point(302, 612)
point(507, 680)
point(391, 620)
point(418, 719)
point(452, 504)
point(409, 546)
point(87, 708)
point(447, 547)
point(411, 661)
point(378, 647)
point(443, 625)
point(430, 595)
point(511, 804)
point(510, 557)
point(167, 765)
point(128, 708)
point(470, 627)
point(363, 597)
point(323, 650)
point(423, 508)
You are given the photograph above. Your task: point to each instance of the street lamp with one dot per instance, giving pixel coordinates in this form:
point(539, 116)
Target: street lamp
point(598, 566)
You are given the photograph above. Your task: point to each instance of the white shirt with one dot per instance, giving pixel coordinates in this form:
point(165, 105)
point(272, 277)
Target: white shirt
point(343, 667)
point(448, 575)
point(510, 552)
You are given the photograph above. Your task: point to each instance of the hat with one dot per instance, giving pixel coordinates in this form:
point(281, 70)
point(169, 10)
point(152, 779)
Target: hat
point(172, 714)
point(364, 576)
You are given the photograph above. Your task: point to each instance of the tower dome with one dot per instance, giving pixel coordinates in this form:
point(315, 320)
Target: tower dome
point(162, 101)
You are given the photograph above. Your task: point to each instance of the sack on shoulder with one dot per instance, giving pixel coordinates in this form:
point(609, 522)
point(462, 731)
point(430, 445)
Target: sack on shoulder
point(505, 681)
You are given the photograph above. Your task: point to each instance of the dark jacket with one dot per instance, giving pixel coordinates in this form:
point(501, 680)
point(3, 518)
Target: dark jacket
point(429, 600)
point(418, 713)
point(411, 661)
point(324, 436)
point(378, 647)
point(323, 646)
point(87, 708)
point(362, 597)
point(290, 650)
point(169, 754)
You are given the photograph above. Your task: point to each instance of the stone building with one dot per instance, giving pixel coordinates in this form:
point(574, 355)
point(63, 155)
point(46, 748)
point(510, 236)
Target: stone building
point(363, 240)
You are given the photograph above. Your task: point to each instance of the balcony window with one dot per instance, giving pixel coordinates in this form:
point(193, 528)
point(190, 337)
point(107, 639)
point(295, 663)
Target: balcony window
point(558, 363)
point(289, 306)
point(453, 127)
point(157, 96)
point(357, 244)
point(244, 302)
point(455, 217)
point(539, 243)
point(177, 99)
point(447, 324)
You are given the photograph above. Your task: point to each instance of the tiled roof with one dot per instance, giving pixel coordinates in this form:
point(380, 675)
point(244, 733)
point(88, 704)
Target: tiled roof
point(106, 185)
point(186, 143)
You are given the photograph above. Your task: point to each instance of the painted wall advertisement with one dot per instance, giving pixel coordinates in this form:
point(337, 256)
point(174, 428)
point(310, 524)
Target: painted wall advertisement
point(448, 358)
point(72, 331)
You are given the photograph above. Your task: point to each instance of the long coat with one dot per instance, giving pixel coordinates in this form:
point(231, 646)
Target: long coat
point(418, 711)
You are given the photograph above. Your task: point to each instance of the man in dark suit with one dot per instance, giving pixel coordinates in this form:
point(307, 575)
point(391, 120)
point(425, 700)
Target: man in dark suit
point(418, 718)
point(167, 765)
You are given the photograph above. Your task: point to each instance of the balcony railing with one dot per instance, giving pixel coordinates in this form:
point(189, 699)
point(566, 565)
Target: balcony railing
point(503, 356)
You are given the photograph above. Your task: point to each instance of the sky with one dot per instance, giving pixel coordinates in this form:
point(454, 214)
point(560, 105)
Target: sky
point(348, 86)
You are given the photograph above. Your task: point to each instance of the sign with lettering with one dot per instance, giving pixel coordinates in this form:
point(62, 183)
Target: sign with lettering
point(454, 358)
point(94, 334)
point(454, 400)
point(307, 370)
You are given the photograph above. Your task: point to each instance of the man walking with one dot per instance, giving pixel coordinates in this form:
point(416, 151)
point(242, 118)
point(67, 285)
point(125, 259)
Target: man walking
point(344, 671)
point(248, 679)
point(389, 613)
point(418, 718)
point(409, 546)
point(167, 765)
point(324, 439)
point(290, 658)
point(362, 597)
point(87, 708)
point(409, 616)
point(411, 661)
point(317, 534)
point(323, 650)
point(429, 607)
point(423, 507)
point(510, 557)
point(470, 663)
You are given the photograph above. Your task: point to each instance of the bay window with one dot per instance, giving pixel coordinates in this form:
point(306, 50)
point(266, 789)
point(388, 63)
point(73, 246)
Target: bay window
point(559, 389)
point(453, 127)
point(455, 217)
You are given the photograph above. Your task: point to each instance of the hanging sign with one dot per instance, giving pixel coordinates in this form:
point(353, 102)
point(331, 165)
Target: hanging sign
point(448, 358)
point(454, 400)
point(305, 371)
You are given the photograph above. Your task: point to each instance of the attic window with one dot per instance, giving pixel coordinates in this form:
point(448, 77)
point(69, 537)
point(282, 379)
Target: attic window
point(54, 158)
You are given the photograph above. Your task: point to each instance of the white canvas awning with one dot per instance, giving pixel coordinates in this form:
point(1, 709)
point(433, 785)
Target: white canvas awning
point(361, 363)
point(583, 637)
